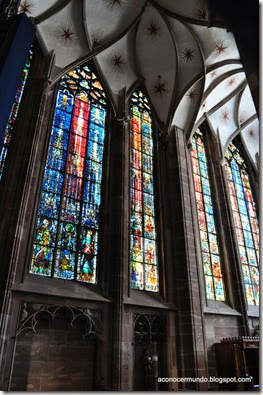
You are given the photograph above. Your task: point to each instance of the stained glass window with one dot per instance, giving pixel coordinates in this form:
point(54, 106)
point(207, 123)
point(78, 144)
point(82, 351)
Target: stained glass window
point(206, 220)
point(143, 246)
point(66, 240)
point(245, 219)
point(13, 115)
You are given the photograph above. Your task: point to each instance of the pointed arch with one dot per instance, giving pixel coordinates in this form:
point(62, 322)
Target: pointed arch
point(245, 220)
point(66, 236)
point(210, 250)
point(8, 133)
point(143, 232)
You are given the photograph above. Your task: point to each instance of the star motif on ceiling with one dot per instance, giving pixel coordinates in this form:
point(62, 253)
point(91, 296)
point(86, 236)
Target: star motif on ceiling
point(213, 74)
point(111, 4)
point(204, 105)
point(201, 13)
point(231, 82)
point(65, 35)
point(96, 40)
point(188, 55)
point(225, 116)
point(152, 30)
point(117, 61)
point(159, 87)
point(221, 47)
point(251, 132)
point(25, 7)
point(191, 95)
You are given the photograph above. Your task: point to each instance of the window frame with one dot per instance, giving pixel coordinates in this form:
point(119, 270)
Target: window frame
point(101, 256)
point(159, 295)
point(251, 308)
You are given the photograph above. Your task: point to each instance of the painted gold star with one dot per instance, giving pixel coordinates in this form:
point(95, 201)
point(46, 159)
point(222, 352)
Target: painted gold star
point(225, 116)
point(66, 34)
point(112, 3)
point(251, 132)
point(202, 13)
point(117, 61)
point(96, 40)
point(191, 95)
point(221, 47)
point(159, 87)
point(188, 54)
point(152, 30)
point(231, 81)
point(24, 7)
point(213, 74)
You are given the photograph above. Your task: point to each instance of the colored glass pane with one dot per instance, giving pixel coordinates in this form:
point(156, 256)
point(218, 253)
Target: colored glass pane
point(4, 145)
point(245, 220)
point(66, 237)
point(143, 245)
point(206, 221)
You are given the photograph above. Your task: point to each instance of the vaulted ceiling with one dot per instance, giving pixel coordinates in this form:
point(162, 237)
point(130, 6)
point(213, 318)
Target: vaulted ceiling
point(191, 71)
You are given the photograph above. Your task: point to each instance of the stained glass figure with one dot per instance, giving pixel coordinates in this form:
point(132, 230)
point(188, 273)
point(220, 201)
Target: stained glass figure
point(207, 227)
point(245, 219)
point(4, 145)
point(143, 246)
point(66, 238)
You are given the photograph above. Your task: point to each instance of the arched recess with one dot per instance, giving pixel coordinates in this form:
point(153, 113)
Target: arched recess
point(5, 143)
point(66, 239)
point(244, 214)
point(56, 348)
point(208, 225)
point(144, 272)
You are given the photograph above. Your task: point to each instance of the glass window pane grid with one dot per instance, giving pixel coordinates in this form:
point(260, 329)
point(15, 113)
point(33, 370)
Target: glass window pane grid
point(238, 183)
point(4, 146)
point(207, 228)
point(144, 270)
point(74, 252)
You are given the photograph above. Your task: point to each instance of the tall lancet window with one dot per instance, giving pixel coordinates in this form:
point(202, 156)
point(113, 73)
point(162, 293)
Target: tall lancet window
point(66, 238)
point(143, 245)
point(4, 145)
point(207, 226)
point(245, 219)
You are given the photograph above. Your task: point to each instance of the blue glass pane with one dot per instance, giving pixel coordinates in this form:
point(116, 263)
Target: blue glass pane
point(49, 205)
point(56, 159)
point(96, 133)
point(147, 164)
point(201, 156)
point(91, 192)
point(53, 181)
point(67, 237)
point(95, 151)
point(59, 139)
point(70, 210)
point(62, 119)
point(65, 101)
point(93, 171)
point(97, 116)
point(148, 203)
point(90, 215)
point(146, 129)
